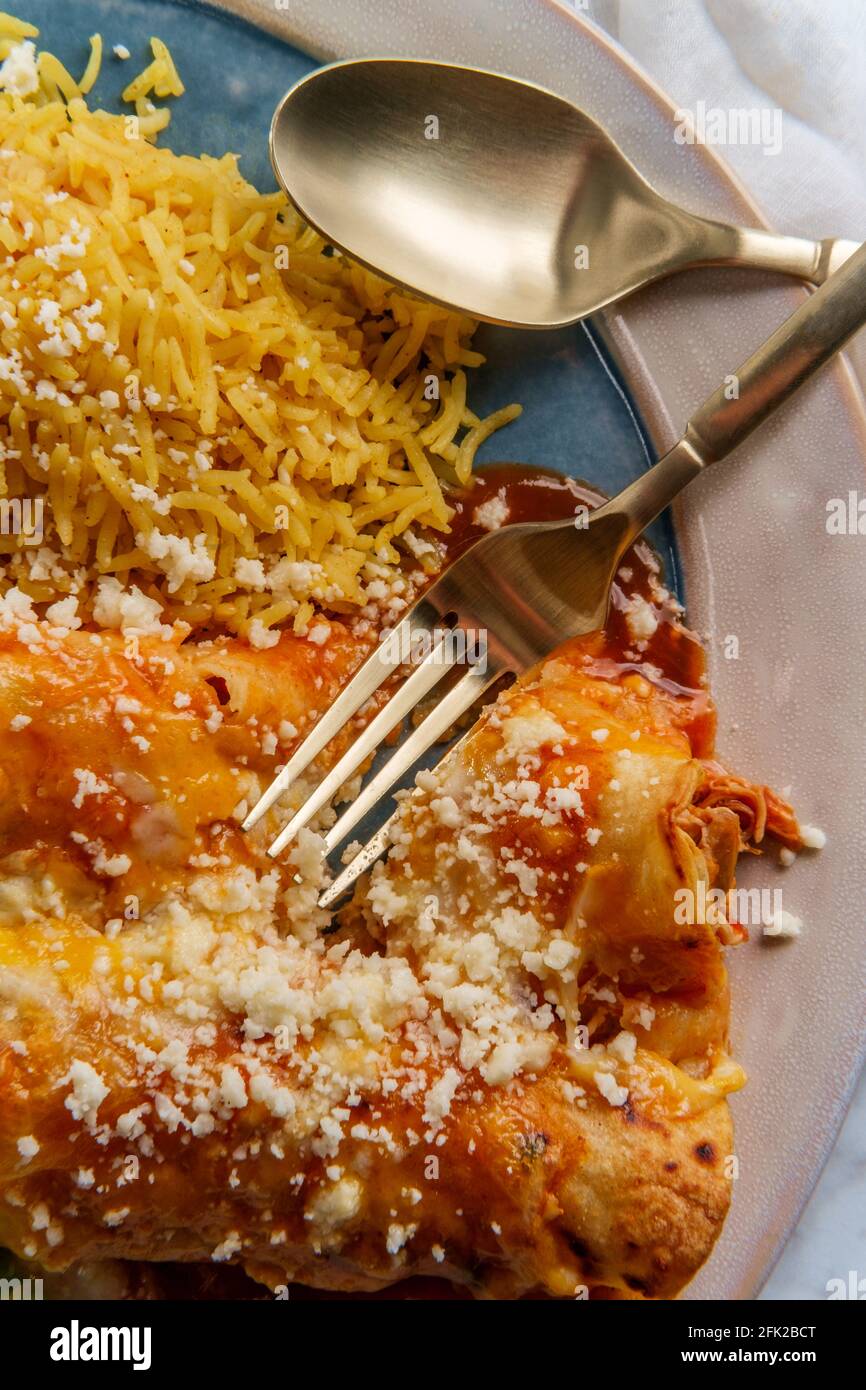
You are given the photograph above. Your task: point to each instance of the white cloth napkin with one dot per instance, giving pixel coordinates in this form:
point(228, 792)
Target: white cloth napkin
point(805, 57)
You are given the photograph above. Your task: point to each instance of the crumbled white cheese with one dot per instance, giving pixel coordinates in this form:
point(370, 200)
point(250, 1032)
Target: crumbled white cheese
point(228, 1247)
point(113, 866)
point(441, 1094)
point(88, 785)
point(640, 618)
point(493, 513)
point(233, 1090)
point(613, 1093)
point(250, 573)
point(333, 1207)
point(446, 811)
point(179, 558)
point(783, 923)
point(19, 73)
point(812, 837)
point(623, 1046)
point(88, 1092)
point(260, 636)
point(130, 611)
point(524, 734)
point(398, 1236)
point(64, 614)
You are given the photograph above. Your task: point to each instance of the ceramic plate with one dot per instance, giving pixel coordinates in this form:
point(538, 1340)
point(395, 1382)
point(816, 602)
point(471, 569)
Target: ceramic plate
point(750, 541)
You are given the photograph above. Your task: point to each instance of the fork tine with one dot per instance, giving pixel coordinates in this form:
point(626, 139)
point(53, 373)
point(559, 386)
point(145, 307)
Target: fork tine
point(413, 689)
point(364, 683)
point(458, 699)
point(373, 849)
point(461, 696)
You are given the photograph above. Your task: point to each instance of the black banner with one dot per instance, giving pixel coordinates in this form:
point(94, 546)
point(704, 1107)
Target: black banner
point(268, 1336)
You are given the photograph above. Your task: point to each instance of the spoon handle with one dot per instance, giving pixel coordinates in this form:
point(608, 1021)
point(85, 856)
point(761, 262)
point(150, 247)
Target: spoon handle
point(818, 328)
point(760, 249)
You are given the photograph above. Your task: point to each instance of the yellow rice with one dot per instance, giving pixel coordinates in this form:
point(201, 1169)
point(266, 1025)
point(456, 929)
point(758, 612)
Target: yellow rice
point(209, 403)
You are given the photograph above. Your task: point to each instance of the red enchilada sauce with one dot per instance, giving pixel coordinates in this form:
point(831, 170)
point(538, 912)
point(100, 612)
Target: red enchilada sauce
point(672, 657)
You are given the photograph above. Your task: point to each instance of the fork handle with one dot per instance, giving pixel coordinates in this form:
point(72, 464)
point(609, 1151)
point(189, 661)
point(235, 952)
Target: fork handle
point(818, 328)
point(762, 249)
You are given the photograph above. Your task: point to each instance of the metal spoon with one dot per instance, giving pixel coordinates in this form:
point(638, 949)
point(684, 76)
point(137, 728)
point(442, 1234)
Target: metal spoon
point(494, 196)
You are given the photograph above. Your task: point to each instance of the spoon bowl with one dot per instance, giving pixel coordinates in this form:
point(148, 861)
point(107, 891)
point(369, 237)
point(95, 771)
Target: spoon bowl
point(492, 195)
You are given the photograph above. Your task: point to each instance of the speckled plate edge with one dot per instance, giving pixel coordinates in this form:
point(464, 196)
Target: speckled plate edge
point(759, 566)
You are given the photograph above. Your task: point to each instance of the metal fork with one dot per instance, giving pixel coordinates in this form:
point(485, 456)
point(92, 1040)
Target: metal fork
point(528, 587)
